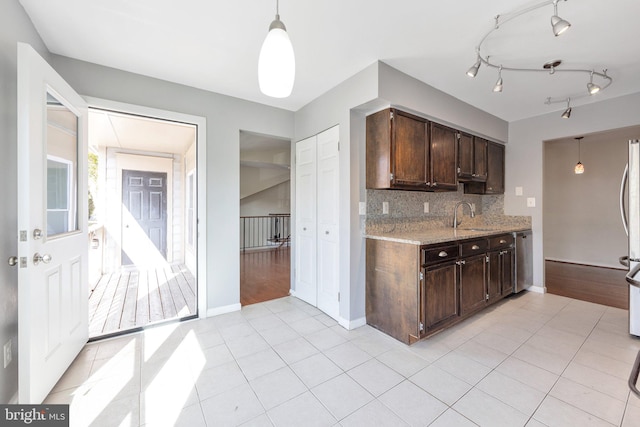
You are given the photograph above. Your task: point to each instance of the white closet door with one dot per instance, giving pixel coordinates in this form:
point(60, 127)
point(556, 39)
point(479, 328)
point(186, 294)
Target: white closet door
point(306, 219)
point(328, 224)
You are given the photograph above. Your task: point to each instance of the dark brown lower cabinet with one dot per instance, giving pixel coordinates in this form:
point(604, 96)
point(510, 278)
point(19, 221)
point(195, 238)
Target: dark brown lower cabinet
point(472, 275)
point(414, 291)
point(439, 295)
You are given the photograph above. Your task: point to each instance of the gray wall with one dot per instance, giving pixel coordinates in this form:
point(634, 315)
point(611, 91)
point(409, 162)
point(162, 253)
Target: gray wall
point(226, 117)
point(524, 156)
point(581, 219)
point(15, 27)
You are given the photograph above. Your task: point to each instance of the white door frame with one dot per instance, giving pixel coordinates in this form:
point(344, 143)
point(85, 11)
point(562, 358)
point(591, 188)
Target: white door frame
point(201, 158)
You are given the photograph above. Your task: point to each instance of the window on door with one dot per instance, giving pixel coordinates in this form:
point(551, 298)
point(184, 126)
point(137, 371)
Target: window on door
point(61, 214)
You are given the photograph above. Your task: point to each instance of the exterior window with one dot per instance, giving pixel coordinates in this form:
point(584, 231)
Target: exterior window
point(60, 216)
point(191, 214)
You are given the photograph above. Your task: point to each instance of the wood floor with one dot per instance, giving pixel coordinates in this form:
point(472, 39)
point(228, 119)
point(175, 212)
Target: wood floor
point(605, 286)
point(264, 275)
point(137, 297)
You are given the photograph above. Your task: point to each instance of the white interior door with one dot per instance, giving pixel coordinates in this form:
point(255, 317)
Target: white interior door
point(328, 224)
point(52, 225)
point(305, 236)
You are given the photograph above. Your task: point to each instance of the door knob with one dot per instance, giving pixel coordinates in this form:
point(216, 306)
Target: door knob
point(37, 258)
point(13, 260)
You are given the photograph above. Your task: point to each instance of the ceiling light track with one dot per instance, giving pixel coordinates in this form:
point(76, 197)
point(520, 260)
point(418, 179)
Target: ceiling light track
point(559, 26)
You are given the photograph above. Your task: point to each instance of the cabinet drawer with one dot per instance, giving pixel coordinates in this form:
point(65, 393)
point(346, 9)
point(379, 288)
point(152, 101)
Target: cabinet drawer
point(473, 247)
point(502, 241)
point(439, 254)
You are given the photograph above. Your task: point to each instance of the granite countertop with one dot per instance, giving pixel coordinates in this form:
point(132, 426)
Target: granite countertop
point(439, 235)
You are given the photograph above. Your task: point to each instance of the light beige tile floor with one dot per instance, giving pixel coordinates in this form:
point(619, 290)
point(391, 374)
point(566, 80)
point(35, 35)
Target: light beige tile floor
point(534, 360)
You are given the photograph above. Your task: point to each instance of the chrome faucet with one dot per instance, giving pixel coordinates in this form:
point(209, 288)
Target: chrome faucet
point(455, 212)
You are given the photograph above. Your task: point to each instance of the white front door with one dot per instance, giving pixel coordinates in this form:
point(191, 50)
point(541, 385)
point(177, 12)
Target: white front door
point(52, 225)
point(328, 221)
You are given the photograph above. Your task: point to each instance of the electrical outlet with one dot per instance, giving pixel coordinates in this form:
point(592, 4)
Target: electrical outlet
point(531, 202)
point(426, 207)
point(385, 208)
point(7, 353)
point(518, 191)
point(362, 208)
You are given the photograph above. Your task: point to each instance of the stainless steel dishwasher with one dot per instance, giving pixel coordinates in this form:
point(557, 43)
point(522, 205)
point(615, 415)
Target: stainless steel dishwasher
point(524, 260)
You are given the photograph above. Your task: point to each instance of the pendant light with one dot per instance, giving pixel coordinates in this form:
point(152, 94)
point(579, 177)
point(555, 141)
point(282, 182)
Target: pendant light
point(579, 169)
point(277, 63)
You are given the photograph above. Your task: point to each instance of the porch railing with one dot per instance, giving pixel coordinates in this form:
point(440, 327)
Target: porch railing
point(268, 231)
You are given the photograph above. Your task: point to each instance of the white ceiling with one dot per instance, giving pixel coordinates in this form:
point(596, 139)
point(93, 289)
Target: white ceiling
point(214, 45)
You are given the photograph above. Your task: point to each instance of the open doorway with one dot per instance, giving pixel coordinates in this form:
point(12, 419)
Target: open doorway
point(265, 213)
point(142, 221)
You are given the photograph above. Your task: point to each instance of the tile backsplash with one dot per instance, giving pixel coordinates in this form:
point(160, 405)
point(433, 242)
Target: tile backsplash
point(406, 209)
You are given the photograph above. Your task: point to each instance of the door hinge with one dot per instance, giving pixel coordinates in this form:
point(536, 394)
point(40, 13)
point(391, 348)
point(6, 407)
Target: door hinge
point(23, 235)
point(458, 136)
point(391, 115)
point(421, 326)
point(390, 177)
point(421, 276)
point(338, 146)
point(459, 170)
point(487, 297)
point(486, 258)
point(338, 296)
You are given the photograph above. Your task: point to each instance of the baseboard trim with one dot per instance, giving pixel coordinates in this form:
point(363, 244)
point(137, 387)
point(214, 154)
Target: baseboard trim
point(215, 311)
point(352, 324)
point(538, 289)
point(586, 264)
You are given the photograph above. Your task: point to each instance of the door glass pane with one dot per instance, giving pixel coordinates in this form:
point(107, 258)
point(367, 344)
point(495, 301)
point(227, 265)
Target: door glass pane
point(62, 168)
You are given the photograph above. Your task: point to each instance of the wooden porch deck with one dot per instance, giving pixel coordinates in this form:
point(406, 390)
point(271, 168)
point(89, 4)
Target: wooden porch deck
point(137, 297)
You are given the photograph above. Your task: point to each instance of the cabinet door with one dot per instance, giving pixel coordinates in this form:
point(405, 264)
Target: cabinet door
point(507, 271)
point(465, 157)
point(409, 151)
point(495, 169)
point(444, 173)
point(494, 276)
point(439, 296)
point(480, 159)
point(472, 280)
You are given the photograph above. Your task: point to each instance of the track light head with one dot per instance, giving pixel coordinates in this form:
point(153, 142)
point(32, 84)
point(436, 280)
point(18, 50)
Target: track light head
point(498, 86)
point(558, 24)
point(473, 70)
point(567, 112)
point(592, 87)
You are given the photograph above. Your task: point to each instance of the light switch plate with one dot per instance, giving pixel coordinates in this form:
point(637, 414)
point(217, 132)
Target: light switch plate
point(362, 208)
point(385, 208)
point(7, 353)
point(426, 207)
point(518, 191)
point(531, 202)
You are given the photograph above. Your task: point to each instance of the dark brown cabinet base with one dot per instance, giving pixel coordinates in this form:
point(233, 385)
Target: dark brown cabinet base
point(415, 291)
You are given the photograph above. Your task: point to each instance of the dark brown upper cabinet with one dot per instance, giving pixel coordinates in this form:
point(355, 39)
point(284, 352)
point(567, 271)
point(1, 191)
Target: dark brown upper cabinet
point(495, 172)
point(472, 158)
point(408, 152)
point(444, 145)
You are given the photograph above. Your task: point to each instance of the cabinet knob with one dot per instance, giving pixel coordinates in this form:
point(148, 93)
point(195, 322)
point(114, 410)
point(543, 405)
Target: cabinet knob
point(443, 254)
point(502, 241)
point(434, 184)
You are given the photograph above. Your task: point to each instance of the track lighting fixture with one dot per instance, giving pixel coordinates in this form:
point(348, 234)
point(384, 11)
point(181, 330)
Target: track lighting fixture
point(498, 85)
point(277, 62)
point(592, 87)
point(550, 67)
point(567, 112)
point(558, 24)
point(579, 168)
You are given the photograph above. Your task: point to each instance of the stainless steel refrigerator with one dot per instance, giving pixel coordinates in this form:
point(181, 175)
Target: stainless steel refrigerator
point(631, 222)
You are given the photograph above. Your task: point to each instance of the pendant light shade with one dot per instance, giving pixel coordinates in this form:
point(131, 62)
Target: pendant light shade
point(579, 169)
point(558, 24)
point(277, 63)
